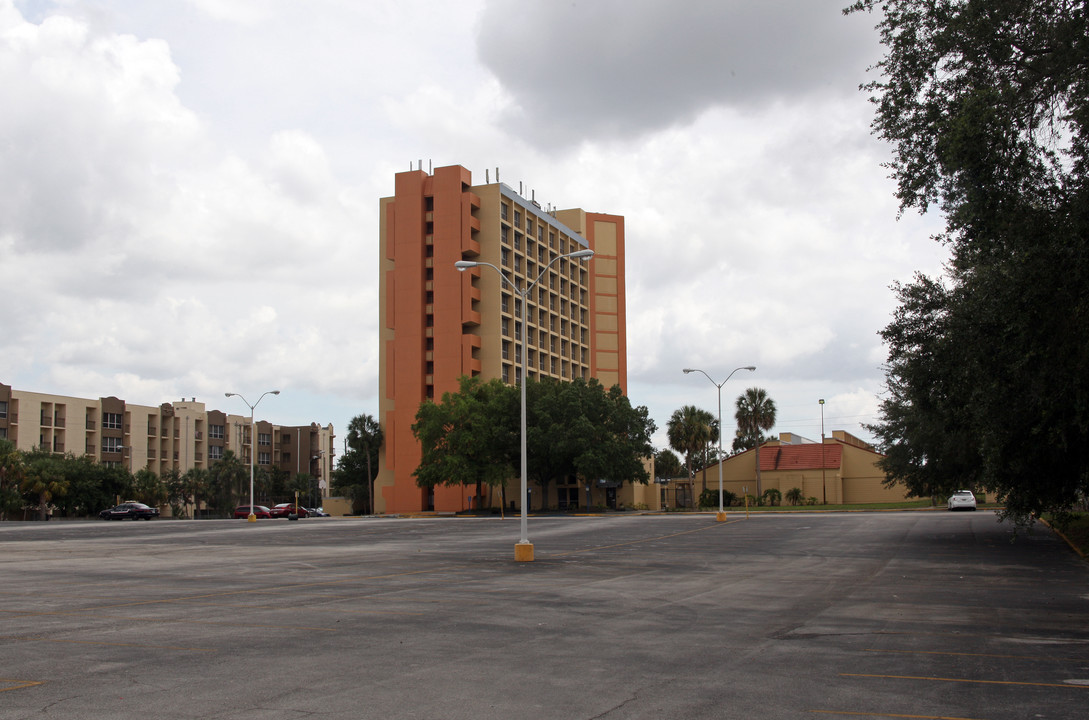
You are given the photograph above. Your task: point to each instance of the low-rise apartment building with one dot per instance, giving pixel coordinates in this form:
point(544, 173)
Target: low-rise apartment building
point(173, 436)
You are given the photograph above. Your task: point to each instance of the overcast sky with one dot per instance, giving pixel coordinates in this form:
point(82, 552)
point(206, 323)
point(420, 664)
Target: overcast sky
point(189, 189)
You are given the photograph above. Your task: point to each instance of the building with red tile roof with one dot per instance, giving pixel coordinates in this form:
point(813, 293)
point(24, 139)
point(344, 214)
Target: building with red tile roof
point(843, 470)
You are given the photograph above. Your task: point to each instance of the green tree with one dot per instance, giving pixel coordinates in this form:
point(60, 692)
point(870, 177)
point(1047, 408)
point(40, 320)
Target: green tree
point(667, 464)
point(43, 479)
point(149, 488)
point(689, 431)
point(228, 483)
point(177, 495)
point(358, 467)
point(794, 496)
point(986, 105)
point(195, 486)
point(471, 437)
point(93, 486)
point(11, 478)
point(613, 438)
point(755, 414)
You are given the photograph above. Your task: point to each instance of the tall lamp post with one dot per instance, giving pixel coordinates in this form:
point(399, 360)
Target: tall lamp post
point(824, 484)
point(721, 512)
point(253, 440)
point(523, 551)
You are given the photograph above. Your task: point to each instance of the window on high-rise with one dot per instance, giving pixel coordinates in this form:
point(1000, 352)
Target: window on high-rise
point(111, 420)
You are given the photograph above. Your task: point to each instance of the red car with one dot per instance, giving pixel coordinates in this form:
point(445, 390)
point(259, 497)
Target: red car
point(285, 509)
point(243, 511)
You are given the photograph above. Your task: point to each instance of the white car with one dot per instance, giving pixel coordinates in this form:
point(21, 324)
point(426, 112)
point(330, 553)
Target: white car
point(962, 500)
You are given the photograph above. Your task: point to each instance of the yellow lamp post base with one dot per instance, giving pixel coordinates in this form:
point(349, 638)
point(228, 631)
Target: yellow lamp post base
point(720, 517)
point(251, 518)
point(523, 552)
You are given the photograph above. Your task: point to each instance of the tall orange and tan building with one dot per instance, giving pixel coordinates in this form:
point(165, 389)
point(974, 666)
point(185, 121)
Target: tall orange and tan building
point(438, 324)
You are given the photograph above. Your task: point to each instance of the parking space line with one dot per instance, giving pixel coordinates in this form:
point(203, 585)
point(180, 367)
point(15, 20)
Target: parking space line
point(959, 654)
point(966, 680)
point(644, 540)
point(890, 715)
point(177, 621)
point(19, 684)
point(39, 638)
point(275, 588)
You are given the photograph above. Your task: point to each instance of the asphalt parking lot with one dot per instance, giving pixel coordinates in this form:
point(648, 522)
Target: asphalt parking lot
point(841, 615)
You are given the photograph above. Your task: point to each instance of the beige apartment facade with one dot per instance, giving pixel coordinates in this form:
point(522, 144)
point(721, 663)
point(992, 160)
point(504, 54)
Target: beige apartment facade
point(178, 435)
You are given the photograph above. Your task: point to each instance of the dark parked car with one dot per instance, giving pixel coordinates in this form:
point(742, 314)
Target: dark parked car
point(130, 510)
point(316, 512)
point(287, 509)
point(243, 511)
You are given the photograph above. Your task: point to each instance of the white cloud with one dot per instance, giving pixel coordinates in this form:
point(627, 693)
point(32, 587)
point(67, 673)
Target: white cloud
point(189, 190)
point(626, 67)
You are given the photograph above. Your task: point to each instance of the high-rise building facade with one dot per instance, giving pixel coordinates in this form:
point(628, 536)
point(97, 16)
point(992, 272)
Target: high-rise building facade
point(172, 436)
point(439, 324)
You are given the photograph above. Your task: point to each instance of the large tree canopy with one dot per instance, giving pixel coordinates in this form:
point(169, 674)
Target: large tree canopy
point(986, 104)
point(575, 428)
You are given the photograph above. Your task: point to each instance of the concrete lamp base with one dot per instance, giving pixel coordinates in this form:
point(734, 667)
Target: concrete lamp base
point(720, 517)
point(523, 552)
point(251, 518)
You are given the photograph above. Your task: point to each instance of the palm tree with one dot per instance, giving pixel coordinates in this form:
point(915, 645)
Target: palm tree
point(690, 430)
point(44, 477)
point(365, 436)
point(755, 415)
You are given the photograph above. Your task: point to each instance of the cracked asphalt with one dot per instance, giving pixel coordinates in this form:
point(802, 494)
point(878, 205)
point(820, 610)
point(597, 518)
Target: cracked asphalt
point(836, 615)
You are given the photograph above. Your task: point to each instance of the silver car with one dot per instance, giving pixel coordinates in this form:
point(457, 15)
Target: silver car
point(962, 500)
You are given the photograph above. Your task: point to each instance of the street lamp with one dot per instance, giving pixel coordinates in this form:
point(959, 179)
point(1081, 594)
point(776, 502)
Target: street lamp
point(253, 440)
point(824, 484)
point(523, 551)
point(721, 512)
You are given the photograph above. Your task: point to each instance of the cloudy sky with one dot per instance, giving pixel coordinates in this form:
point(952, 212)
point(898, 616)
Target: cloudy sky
point(189, 188)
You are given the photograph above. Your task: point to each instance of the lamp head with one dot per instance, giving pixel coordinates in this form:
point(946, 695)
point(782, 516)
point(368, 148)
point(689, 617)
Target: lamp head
point(821, 401)
point(229, 394)
point(749, 367)
point(687, 370)
point(275, 392)
point(463, 265)
point(580, 254)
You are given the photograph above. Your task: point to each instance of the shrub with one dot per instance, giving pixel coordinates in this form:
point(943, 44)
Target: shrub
point(772, 497)
point(709, 498)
